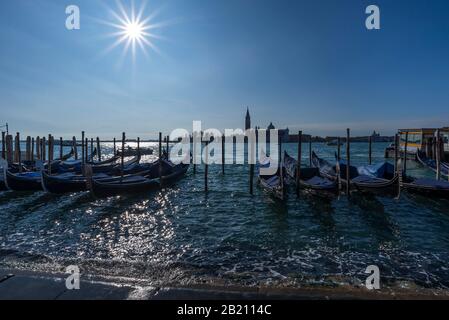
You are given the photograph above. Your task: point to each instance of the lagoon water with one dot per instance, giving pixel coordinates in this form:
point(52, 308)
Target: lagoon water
point(183, 236)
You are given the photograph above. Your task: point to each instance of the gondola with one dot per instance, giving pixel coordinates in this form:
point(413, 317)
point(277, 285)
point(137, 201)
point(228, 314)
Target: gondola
point(377, 177)
point(101, 167)
point(32, 180)
point(273, 184)
point(75, 182)
point(310, 178)
point(140, 183)
point(432, 164)
point(22, 181)
point(426, 186)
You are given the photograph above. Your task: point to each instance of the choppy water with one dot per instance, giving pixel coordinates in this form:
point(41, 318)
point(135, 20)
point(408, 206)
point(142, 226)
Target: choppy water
point(183, 236)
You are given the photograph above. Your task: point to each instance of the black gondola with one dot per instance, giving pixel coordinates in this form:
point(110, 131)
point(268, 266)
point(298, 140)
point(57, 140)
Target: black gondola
point(432, 164)
point(310, 178)
point(426, 186)
point(23, 181)
point(273, 184)
point(74, 182)
point(140, 183)
point(375, 177)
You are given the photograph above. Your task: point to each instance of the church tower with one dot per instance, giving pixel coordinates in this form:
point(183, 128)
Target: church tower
point(247, 120)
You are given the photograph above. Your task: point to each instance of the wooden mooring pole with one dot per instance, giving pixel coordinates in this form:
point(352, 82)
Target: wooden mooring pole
point(61, 148)
point(252, 160)
point(370, 150)
point(396, 153)
point(223, 159)
point(404, 165)
point(206, 166)
point(298, 164)
point(50, 153)
point(86, 152)
point(32, 149)
point(43, 146)
point(348, 163)
point(310, 151)
point(115, 148)
point(38, 148)
point(3, 145)
point(160, 145)
point(83, 157)
point(91, 148)
point(9, 149)
point(167, 146)
point(138, 147)
point(338, 149)
point(17, 148)
point(194, 152)
point(75, 147)
point(98, 149)
point(18, 153)
point(160, 159)
point(28, 149)
point(397, 169)
point(438, 160)
point(122, 158)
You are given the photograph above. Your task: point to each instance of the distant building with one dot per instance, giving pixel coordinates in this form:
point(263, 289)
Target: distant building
point(247, 120)
point(283, 133)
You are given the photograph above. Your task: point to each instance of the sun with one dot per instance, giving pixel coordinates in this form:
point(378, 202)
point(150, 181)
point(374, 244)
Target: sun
point(133, 31)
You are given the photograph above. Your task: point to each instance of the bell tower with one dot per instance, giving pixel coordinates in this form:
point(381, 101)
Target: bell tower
point(247, 120)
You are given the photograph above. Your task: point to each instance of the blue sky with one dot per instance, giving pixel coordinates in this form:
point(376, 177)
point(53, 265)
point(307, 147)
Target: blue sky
point(308, 65)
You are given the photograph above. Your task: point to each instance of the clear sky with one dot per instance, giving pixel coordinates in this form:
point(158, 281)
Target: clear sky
point(308, 65)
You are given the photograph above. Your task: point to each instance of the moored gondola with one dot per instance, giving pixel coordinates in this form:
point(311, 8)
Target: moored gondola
point(426, 186)
point(273, 184)
point(432, 164)
point(377, 177)
point(170, 173)
point(75, 182)
point(310, 178)
point(22, 181)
